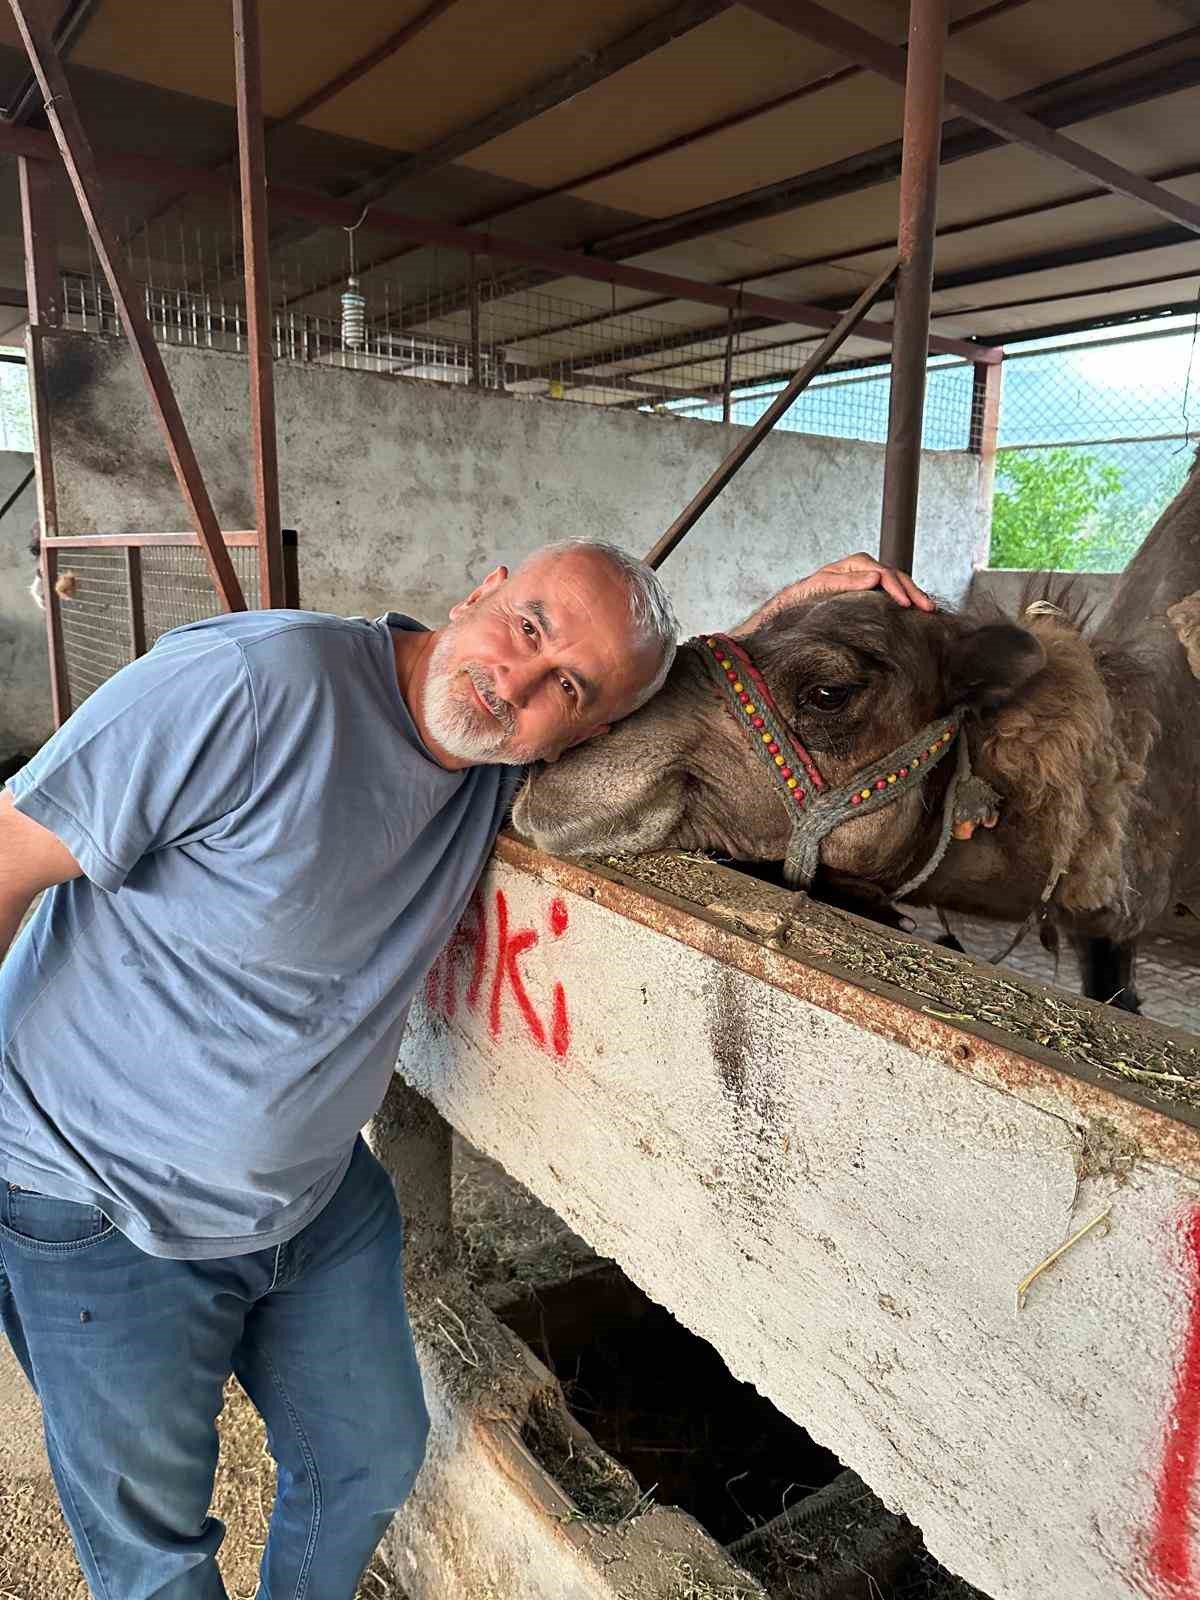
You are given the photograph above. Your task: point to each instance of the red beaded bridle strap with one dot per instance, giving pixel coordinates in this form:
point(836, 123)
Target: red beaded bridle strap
point(755, 705)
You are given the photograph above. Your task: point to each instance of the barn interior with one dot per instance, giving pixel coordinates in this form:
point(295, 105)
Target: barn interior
point(428, 284)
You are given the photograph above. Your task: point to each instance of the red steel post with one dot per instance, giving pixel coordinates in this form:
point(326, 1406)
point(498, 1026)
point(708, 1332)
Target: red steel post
point(923, 98)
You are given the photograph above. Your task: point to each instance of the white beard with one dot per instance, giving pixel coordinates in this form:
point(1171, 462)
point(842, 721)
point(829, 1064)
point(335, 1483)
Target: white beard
point(456, 721)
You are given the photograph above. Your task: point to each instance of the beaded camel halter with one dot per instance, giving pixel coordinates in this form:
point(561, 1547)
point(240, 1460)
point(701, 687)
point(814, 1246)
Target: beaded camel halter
point(815, 807)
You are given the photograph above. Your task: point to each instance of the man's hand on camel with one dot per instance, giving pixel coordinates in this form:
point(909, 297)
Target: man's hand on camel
point(859, 571)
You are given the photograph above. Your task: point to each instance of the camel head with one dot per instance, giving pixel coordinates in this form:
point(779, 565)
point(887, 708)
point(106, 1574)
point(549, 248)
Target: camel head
point(853, 676)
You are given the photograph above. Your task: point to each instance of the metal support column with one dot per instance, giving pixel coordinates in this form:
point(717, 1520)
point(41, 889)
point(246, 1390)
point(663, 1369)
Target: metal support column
point(80, 164)
point(749, 443)
point(253, 175)
point(42, 296)
point(135, 600)
point(986, 385)
point(727, 375)
point(923, 95)
point(473, 291)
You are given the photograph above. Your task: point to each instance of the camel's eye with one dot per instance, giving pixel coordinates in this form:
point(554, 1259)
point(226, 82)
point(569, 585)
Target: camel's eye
point(829, 696)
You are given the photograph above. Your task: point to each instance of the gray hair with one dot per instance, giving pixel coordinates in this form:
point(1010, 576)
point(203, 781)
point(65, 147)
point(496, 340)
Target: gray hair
point(650, 610)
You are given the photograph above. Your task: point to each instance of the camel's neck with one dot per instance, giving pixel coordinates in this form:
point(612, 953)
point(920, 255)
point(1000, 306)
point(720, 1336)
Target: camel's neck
point(1163, 572)
point(1067, 756)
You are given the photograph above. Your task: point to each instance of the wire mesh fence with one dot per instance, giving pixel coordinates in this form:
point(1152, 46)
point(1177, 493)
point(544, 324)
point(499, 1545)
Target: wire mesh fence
point(177, 588)
point(100, 611)
point(434, 314)
point(96, 620)
point(1094, 434)
point(1097, 433)
point(854, 405)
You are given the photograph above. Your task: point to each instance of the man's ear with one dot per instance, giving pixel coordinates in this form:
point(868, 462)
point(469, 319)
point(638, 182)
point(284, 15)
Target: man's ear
point(988, 666)
point(493, 581)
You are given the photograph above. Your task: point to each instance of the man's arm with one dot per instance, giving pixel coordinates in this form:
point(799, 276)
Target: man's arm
point(859, 571)
point(31, 859)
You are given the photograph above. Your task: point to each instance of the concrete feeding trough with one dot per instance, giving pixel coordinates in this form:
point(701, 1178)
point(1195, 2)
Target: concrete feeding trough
point(946, 1221)
point(678, 1461)
point(661, 1401)
point(516, 1498)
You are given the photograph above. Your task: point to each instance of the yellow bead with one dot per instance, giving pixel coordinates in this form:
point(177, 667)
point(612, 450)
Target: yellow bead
point(725, 662)
point(891, 777)
point(866, 794)
point(779, 761)
point(738, 687)
point(749, 709)
point(793, 783)
point(766, 738)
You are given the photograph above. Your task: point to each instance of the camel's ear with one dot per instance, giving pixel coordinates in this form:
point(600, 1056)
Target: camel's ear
point(986, 667)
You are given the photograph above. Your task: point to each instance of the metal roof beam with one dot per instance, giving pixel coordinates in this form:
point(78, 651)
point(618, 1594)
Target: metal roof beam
point(867, 169)
point(816, 22)
point(328, 211)
point(583, 73)
point(817, 85)
point(1077, 99)
point(964, 278)
point(321, 95)
point(67, 30)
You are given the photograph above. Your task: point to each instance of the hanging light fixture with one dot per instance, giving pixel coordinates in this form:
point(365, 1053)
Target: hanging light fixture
point(354, 304)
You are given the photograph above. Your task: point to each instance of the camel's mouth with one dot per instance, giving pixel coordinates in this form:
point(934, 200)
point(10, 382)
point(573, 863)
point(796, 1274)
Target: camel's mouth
point(547, 814)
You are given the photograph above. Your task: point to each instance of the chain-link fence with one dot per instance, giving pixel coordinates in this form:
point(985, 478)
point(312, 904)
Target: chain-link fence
point(1096, 430)
point(1097, 433)
point(854, 405)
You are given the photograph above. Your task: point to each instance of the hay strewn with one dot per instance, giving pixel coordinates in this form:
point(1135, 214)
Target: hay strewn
point(949, 987)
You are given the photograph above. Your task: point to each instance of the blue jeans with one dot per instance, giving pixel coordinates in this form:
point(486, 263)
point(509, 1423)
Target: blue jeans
point(129, 1354)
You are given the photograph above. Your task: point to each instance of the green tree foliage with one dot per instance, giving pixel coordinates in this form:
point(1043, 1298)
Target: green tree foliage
point(16, 425)
point(1045, 508)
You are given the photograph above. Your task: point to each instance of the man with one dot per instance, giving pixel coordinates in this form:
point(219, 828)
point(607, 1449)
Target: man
point(256, 840)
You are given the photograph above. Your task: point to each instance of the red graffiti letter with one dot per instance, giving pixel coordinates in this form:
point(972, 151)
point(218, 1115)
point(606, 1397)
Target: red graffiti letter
point(509, 947)
point(441, 984)
point(1171, 1552)
point(560, 1027)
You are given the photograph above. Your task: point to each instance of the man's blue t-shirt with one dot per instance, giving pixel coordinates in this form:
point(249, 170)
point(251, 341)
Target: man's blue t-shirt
point(192, 1034)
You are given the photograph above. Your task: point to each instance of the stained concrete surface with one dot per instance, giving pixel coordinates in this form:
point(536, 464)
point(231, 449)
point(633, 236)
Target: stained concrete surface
point(402, 490)
point(24, 672)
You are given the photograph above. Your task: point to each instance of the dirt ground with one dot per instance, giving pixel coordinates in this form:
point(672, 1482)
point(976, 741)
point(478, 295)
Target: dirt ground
point(37, 1561)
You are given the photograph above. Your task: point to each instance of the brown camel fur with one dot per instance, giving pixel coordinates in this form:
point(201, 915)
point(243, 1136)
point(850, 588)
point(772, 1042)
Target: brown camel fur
point(1091, 736)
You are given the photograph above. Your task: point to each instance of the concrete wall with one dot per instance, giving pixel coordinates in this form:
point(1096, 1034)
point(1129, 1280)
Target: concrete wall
point(25, 718)
point(841, 1186)
point(403, 491)
point(1006, 588)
